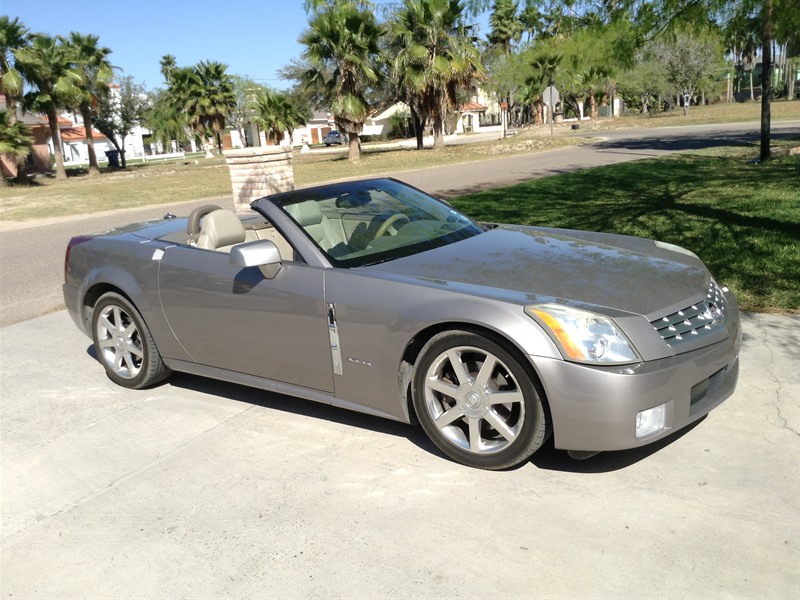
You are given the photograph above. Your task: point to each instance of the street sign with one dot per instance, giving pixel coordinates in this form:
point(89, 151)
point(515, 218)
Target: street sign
point(551, 96)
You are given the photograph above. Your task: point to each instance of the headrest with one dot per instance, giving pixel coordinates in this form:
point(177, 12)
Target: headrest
point(305, 213)
point(223, 228)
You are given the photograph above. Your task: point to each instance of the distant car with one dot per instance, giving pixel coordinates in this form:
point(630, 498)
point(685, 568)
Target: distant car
point(333, 138)
point(374, 296)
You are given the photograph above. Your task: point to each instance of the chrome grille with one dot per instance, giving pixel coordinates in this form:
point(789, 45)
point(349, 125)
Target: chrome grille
point(695, 321)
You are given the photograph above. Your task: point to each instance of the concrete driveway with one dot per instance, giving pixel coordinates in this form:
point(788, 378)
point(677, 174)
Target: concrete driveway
point(203, 489)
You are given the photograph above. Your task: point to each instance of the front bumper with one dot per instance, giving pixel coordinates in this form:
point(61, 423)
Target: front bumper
point(594, 408)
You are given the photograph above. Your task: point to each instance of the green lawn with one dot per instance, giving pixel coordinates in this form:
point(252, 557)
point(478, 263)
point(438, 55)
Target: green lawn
point(741, 218)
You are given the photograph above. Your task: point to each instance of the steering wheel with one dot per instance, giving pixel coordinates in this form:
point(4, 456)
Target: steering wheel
point(389, 222)
point(193, 226)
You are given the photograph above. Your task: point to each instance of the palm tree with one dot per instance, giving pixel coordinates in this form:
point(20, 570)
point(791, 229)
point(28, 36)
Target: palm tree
point(205, 94)
point(434, 58)
point(506, 25)
point(15, 139)
point(168, 65)
point(341, 44)
point(275, 115)
point(544, 71)
point(13, 36)
point(218, 100)
point(95, 74)
point(45, 65)
point(591, 79)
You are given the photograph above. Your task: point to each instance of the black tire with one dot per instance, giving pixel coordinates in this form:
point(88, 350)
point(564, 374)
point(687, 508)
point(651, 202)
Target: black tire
point(459, 405)
point(124, 345)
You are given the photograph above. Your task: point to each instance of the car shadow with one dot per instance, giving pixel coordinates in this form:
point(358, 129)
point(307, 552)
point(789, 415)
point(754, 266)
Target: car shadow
point(548, 457)
point(299, 406)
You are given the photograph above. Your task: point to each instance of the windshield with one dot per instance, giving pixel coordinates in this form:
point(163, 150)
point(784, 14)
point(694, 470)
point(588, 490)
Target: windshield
point(366, 222)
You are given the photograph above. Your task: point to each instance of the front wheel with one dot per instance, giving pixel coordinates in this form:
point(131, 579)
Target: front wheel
point(124, 344)
point(476, 402)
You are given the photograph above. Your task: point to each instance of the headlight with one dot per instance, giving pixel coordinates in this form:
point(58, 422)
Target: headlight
point(584, 336)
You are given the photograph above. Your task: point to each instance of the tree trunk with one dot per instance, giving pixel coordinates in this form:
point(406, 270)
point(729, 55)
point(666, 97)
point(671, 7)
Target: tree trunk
point(22, 172)
point(86, 114)
point(22, 166)
point(355, 147)
point(766, 80)
point(438, 133)
point(752, 95)
point(121, 151)
point(419, 129)
point(55, 134)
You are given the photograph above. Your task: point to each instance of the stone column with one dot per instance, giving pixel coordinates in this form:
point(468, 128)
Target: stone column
point(257, 172)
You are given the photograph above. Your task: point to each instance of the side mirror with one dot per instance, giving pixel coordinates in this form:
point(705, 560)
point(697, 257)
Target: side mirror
point(262, 254)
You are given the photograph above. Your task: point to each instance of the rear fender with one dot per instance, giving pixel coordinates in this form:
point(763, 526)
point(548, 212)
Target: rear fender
point(142, 291)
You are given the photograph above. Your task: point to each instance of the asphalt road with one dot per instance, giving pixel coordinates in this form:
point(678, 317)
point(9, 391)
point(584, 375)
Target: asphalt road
point(32, 255)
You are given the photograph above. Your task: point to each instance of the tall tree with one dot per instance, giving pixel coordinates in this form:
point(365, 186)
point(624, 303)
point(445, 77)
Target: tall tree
point(94, 73)
point(435, 59)
point(506, 25)
point(119, 111)
point(46, 66)
point(205, 94)
point(341, 45)
point(168, 65)
point(688, 60)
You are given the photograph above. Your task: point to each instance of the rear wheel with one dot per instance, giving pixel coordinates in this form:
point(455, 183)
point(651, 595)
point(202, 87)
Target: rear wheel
point(476, 402)
point(124, 344)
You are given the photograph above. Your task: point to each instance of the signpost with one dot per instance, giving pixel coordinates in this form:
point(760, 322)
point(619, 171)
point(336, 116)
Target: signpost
point(551, 98)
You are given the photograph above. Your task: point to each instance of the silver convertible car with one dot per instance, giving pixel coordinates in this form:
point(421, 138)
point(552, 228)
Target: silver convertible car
point(374, 296)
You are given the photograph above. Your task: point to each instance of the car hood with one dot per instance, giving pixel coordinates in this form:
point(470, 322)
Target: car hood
point(603, 270)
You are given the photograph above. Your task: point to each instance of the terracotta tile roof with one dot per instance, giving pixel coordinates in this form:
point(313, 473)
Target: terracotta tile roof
point(472, 107)
point(78, 133)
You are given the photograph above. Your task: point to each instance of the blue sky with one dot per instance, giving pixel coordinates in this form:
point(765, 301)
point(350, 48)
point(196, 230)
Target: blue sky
point(253, 37)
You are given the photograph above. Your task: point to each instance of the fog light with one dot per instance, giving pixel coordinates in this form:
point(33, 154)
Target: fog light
point(651, 420)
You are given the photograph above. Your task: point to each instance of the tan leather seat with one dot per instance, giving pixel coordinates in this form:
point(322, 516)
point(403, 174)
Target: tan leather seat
point(221, 230)
point(318, 226)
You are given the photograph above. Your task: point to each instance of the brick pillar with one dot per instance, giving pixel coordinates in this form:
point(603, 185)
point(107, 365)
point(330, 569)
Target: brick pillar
point(257, 172)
